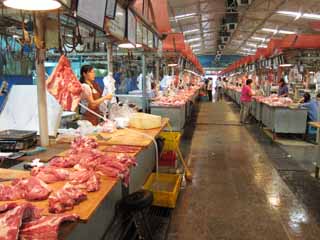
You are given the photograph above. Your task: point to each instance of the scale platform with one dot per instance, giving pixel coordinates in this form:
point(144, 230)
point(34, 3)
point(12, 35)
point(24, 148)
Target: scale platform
point(17, 140)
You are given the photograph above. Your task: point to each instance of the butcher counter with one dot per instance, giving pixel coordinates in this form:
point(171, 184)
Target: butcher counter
point(97, 212)
point(178, 115)
point(278, 119)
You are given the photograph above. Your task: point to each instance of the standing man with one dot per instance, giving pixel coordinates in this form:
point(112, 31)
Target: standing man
point(283, 88)
point(219, 89)
point(209, 89)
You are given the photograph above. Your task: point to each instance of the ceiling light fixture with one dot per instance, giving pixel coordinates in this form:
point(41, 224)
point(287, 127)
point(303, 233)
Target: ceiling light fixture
point(33, 5)
point(195, 45)
point(260, 39)
point(172, 65)
point(191, 31)
point(184, 16)
point(298, 15)
point(129, 45)
point(275, 31)
point(285, 65)
point(193, 39)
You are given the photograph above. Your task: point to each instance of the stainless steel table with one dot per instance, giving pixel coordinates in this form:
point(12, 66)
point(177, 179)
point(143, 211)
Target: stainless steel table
point(284, 119)
point(176, 114)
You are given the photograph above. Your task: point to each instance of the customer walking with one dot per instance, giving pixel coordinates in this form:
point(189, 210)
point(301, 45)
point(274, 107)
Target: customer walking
point(246, 98)
point(209, 89)
point(219, 89)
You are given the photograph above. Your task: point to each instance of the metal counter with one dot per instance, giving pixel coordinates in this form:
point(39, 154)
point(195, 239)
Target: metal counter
point(284, 120)
point(176, 114)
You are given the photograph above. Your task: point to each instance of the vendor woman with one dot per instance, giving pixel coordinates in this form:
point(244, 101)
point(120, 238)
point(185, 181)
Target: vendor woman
point(283, 88)
point(91, 95)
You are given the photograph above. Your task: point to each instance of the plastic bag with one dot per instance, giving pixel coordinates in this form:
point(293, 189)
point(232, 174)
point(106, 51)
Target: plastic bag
point(108, 126)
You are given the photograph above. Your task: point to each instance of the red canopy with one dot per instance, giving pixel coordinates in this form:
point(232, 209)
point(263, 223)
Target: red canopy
point(173, 42)
point(301, 41)
point(157, 13)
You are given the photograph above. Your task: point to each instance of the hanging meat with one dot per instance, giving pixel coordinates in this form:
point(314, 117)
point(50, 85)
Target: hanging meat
point(64, 85)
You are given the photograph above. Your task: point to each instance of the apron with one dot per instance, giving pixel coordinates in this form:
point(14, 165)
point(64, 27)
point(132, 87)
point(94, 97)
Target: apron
point(95, 95)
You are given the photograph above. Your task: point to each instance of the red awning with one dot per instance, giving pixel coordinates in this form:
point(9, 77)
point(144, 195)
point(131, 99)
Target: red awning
point(157, 13)
point(174, 42)
point(303, 41)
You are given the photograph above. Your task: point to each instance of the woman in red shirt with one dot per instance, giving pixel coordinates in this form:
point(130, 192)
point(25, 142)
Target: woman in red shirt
point(246, 98)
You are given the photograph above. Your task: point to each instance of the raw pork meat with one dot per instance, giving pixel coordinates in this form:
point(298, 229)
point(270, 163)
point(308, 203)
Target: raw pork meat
point(64, 162)
point(64, 85)
point(122, 149)
point(65, 198)
point(11, 220)
point(8, 192)
point(84, 142)
point(7, 207)
point(32, 188)
point(85, 180)
point(50, 174)
point(45, 228)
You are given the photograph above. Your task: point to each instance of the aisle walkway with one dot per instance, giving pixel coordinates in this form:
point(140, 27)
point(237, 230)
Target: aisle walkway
point(236, 192)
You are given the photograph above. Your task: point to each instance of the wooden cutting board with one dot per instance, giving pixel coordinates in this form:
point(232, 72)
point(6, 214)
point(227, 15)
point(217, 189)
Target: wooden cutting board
point(131, 138)
point(84, 210)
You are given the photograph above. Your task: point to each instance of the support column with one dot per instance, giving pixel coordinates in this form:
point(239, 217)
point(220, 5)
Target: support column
point(157, 70)
point(144, 84)
point(110, 60)
point(41, 81)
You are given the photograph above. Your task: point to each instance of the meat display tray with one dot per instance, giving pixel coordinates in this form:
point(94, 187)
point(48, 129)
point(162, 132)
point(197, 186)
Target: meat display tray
point(16, 140)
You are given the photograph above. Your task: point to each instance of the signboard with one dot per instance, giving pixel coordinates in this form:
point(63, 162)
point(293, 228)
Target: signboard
point(111, 9)
point(131, 27)
point(139, 33)
point(150, 39)
point(117, 26)
point(93, 13)
point(144, 35)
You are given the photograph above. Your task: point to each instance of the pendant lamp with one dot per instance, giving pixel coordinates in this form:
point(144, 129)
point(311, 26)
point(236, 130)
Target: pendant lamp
point(33, 5)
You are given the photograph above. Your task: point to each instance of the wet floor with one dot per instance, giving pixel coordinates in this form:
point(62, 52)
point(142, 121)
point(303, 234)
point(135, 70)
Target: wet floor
point(238, 192)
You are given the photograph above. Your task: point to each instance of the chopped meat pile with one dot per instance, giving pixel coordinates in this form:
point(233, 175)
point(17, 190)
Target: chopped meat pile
point(65, 198)
point(24, 222)
point(64, 85)
point(27, 188)
point(31, 188)
point(50, 174)
point(85, 179)
point(8, 192)
point(275, 101)
point(84, 155)
point(178, 100)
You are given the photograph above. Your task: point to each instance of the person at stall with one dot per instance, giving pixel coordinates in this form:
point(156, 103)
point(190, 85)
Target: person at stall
point(283, 88)
point(91, 95)
point(154, 90)
point(246, 98)
point(209, 89)
point(311, 105)
point(219, 89)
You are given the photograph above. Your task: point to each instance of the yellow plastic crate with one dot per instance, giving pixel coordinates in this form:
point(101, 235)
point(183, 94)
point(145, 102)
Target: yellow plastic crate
point(165, 188)
point(170, 137)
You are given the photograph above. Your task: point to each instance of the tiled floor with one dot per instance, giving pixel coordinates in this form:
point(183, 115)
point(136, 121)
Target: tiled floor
point(236, 192)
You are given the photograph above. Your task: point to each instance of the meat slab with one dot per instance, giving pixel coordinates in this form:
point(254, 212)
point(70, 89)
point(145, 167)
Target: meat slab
point(31, 188)
point(12, 218)
point(50, 174)
point(45, 228)
point(64, 85)
point(65, 198)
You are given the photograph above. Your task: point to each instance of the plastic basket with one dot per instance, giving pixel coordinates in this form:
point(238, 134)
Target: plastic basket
point(165, 188)
point(170, 138)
